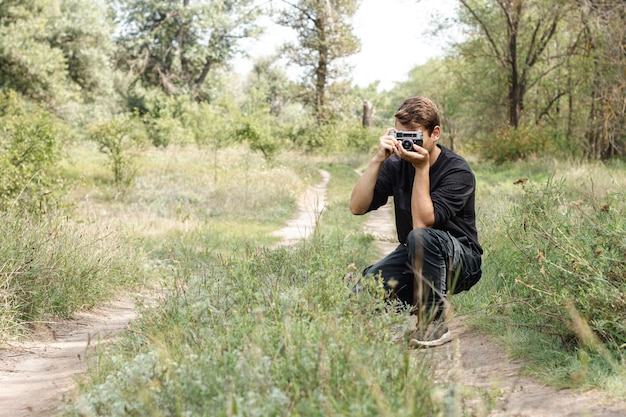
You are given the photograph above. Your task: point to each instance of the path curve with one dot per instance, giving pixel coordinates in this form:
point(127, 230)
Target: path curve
point(35, 374)
point(310, 208)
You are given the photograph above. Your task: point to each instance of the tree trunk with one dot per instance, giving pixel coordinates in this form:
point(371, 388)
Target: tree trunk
point(367, 113)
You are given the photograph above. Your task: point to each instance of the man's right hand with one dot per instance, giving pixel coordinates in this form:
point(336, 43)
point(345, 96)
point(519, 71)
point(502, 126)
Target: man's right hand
point(387, 145)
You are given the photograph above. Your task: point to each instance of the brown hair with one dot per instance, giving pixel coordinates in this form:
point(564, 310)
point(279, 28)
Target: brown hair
point(418, 110)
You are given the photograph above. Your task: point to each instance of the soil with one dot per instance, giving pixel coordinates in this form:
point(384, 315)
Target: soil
point(36, 374)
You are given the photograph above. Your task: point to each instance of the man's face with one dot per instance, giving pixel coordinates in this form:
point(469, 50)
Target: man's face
point(429, 140)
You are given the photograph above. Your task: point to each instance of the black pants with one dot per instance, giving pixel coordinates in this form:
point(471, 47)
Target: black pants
point(431, 264)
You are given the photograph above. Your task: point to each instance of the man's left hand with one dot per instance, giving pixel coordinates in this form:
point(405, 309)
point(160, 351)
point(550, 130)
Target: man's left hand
point(418, 157)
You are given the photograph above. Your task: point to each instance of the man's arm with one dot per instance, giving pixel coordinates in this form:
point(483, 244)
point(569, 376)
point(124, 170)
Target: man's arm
point(363, 191)
point(422, 208)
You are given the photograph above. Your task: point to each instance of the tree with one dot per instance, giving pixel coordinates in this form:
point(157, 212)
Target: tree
point(176, 44)
point(28, 63)
point(54, 51)
point(515, 35)
point(604, 52)
point(269, 83)
point(324, 37)
point(82, 30)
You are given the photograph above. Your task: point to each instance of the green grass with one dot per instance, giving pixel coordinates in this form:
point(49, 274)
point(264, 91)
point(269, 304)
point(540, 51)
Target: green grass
point(53, 266)
point(250, 330)
point(551, 242)
point(265, 332)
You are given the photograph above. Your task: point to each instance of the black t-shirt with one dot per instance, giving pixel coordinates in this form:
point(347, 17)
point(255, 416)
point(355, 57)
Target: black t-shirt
point(452, 191)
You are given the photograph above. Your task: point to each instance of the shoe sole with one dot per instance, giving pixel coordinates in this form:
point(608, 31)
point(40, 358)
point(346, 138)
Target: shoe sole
point(445, 338)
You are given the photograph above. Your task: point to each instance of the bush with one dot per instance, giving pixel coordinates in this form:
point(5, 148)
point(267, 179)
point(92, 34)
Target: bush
point(510, 144)
point(575, 255)
point(30, 149)
point(121, 140)
point(335, 137)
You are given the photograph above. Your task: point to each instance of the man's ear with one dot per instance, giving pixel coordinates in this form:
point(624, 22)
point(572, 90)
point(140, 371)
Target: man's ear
point(436, 133)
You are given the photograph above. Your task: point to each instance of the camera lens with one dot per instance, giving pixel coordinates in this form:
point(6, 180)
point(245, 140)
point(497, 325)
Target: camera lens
point(407, 144)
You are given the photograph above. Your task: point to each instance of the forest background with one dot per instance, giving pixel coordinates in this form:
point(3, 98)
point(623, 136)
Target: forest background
point(95, 93)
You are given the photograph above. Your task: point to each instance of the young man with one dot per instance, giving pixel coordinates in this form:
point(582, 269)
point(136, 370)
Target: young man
point(433, 193)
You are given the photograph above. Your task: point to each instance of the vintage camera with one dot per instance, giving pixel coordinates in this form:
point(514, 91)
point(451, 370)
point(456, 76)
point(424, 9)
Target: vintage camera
point(408, 138)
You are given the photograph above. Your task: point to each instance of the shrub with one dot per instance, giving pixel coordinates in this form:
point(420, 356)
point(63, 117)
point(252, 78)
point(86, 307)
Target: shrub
point(30, 148)
point(510, 144)
point(575, 253)
point(121, 140)
point(335, 137)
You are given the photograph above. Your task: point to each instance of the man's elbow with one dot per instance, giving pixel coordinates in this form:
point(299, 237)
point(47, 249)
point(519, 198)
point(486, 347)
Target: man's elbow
point(356, 210)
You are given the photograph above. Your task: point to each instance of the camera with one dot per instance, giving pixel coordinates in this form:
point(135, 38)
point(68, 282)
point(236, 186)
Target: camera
point(408, 139)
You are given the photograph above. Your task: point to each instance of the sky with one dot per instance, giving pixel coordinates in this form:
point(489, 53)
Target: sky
point(394, 39)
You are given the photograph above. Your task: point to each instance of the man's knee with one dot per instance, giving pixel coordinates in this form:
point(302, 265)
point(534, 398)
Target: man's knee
point(424, 238)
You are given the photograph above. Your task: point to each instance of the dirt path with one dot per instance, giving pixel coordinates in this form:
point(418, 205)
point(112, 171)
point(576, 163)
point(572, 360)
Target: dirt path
point(473, 361)
point(310, 208)
point(36, 374)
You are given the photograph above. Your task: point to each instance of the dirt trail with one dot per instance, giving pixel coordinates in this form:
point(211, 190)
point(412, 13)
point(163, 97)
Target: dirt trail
point(472, 360)
point(37, 373)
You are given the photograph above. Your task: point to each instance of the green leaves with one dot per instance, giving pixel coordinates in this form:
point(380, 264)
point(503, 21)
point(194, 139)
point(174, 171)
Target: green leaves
point(30, 147)
point(175, 46)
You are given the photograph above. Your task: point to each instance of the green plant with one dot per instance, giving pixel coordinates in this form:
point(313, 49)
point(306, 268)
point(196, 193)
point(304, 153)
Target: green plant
point(121, 140)
point(30, 149)
point(578, 250)
point(52, 266)
point(510, 144)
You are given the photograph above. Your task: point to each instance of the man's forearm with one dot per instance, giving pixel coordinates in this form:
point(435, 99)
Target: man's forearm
point(422, 209)
point(363, 191)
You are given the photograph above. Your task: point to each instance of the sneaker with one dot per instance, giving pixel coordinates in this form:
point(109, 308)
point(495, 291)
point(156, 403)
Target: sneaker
point(435, 334)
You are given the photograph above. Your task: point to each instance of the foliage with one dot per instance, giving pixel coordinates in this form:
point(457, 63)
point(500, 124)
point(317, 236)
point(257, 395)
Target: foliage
point(259, 138)
point(324, 38)
point(604, 76)
point(164, 118)
point(509, 144)
point(120, 139)
point(516, 36)
point(55, 51)
point(82, 30)
point(53, 267)
point(176, 45)
point(570, 252)
point(268, 85)
point(335, 137)
point(30, 148)
point(28, 63)
point(554, 63)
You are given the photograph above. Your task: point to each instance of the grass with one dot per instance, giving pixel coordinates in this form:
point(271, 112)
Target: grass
point(53, 266)
point(251, 330)
point(555, 241)
point(261, 331)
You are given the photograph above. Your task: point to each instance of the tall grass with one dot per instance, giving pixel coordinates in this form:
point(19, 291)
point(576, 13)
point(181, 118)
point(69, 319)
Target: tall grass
point(555, 262)
point(52, 266)
point(265, 331)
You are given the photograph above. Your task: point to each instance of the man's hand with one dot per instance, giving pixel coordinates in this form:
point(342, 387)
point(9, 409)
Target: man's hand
point(386, 146)
point(418, 157)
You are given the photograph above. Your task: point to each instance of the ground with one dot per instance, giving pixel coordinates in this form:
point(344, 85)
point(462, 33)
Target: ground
point(36, 374)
